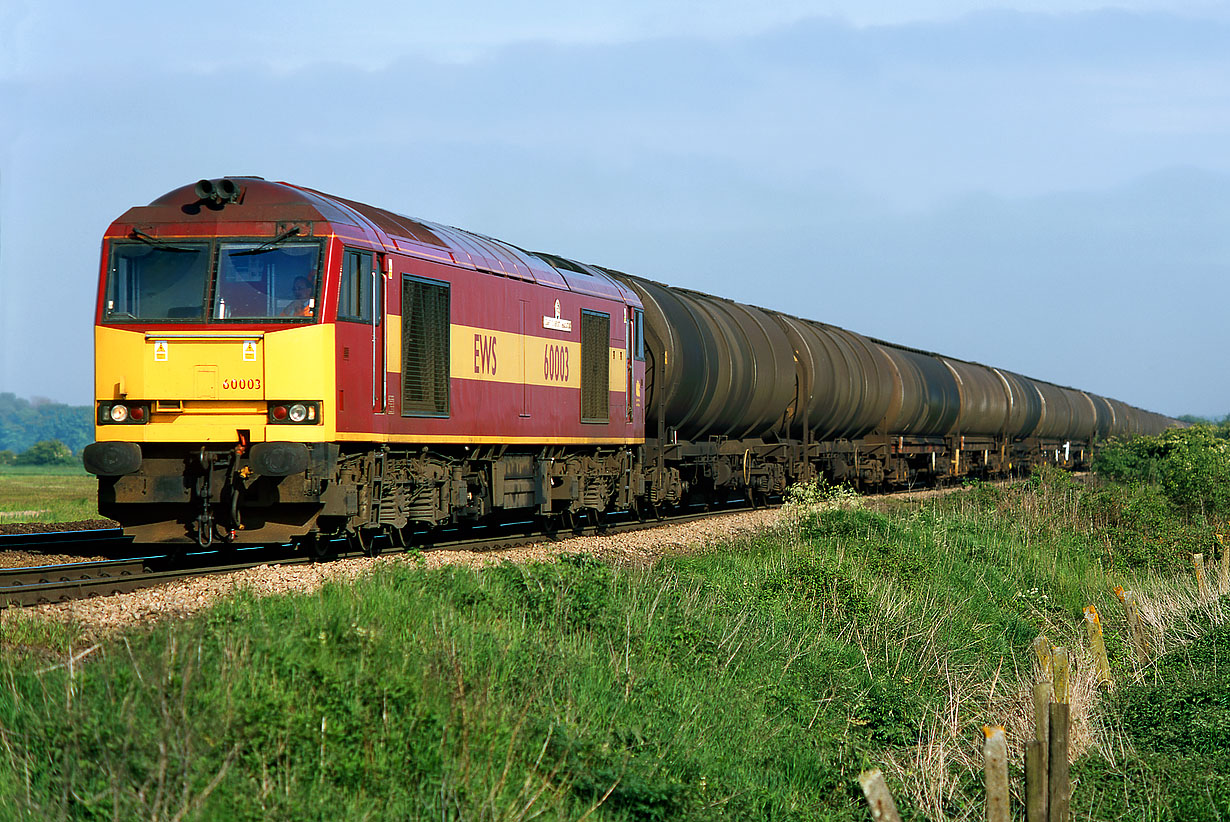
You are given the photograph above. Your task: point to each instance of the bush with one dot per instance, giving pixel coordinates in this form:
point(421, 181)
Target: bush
point(46, 452)
point(1191, 465)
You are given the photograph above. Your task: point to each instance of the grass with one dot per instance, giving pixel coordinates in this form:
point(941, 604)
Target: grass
point(1170, 736)
point(752, 681)
point(47, 494)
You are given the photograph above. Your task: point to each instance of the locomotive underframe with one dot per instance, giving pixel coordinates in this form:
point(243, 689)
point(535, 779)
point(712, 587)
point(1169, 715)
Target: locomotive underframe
point(213, 494)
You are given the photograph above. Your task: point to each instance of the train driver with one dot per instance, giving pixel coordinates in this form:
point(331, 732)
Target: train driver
point(301, 305)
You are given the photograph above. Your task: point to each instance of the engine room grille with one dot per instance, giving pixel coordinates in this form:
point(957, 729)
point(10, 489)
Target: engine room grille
point(595, 367)
point(424, 348)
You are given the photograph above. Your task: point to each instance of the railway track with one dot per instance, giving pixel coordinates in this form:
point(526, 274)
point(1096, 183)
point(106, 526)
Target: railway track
point(99, 541)
point(21, 587)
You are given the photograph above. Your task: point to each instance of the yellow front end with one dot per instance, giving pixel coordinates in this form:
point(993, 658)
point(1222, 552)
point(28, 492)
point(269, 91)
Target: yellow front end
point(215, 386)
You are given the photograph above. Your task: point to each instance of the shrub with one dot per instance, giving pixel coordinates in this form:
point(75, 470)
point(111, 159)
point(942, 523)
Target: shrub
point(46, 452)
point(1191, 465)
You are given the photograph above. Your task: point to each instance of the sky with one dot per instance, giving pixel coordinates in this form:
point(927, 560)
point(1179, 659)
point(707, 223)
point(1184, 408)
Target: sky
point(1042, 186)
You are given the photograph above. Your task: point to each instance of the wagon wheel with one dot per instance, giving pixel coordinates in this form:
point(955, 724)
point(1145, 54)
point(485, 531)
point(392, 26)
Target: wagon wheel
point(397, 537)
point(364, 543)
point(638, 510)
point(317, 545)
point(600, 522)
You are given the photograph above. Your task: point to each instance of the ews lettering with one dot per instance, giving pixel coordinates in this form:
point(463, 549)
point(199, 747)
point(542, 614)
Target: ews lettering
point(484, 354)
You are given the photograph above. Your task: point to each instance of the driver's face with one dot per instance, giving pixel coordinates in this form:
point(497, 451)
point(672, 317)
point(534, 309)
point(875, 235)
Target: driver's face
point(303, 289)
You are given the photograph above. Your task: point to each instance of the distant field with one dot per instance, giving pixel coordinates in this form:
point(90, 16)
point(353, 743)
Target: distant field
point(47, 494)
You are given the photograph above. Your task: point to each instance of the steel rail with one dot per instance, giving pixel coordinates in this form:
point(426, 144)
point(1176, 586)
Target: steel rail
point(98, 537)
point(62, 583)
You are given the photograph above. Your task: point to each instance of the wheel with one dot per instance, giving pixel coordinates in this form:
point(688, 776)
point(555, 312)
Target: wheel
point(317, 546)
point(397, 537)
point(364, 543)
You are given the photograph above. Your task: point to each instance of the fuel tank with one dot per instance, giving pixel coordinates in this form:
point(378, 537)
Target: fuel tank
point(927, 399)
point(1066, 413)
point(845, 382)
point(985, 399)
point(1025, 408)
point(715, 367)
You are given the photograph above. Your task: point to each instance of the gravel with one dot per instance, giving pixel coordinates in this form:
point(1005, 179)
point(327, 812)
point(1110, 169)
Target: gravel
point(33, 559)
point(51, 527)
point(103, 615)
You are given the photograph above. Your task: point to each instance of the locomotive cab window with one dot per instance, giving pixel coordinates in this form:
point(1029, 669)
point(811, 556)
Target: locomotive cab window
point(360, 291)
point(638, 334)
point(257, 281)
point(164, 281)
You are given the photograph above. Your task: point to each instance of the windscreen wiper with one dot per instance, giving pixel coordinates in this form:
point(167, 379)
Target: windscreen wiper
point(157, 243)
point(268, 244)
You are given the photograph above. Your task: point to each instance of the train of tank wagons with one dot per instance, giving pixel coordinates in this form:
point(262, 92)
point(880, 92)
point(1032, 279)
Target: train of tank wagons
point(277, 364)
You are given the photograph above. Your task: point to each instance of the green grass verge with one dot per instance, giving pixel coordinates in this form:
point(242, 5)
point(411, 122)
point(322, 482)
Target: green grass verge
point(754, 681)
point(62, 493)
point(1174, 735)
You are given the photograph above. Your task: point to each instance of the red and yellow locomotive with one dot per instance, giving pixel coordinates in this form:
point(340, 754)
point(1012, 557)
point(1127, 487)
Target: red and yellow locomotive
point(273, 362)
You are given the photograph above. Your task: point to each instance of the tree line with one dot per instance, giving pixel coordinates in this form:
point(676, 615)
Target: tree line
point(31, 430)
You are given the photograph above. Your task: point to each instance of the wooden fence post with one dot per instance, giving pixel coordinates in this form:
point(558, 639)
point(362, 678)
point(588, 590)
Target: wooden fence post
point(1224, 582)
point(1042, 648)
point(1202, 584)
point(1135, 629)
point(1035, 781)
point(879, 798)
point(1060, 669)
point(1098, 644)
point(995, 772)
point(1059, 789)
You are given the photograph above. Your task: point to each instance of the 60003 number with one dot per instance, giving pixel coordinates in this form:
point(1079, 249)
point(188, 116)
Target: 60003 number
point(250, 384)
point(555, 363)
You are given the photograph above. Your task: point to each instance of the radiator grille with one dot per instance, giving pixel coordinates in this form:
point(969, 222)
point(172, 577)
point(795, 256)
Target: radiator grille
point(424, 348)
point(595, 367)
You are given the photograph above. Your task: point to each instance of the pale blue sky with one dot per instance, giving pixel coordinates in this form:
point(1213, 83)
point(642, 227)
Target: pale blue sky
point(1043, 186)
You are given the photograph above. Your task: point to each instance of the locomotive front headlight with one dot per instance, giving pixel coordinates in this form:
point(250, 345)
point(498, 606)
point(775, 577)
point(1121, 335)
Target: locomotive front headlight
point(119, 413)
point(297, 412)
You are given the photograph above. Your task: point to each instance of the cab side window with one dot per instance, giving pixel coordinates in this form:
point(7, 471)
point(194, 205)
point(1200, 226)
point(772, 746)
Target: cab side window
point(638, 333)
point(354, 299)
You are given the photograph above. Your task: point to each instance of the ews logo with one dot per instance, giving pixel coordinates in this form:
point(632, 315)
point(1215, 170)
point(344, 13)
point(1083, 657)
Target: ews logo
point(484, 354)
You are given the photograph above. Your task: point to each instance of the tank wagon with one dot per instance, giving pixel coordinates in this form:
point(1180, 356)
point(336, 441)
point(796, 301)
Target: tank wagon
point(274, 363)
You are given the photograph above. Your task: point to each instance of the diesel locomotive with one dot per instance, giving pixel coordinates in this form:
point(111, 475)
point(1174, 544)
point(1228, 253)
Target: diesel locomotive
point(277, 364)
